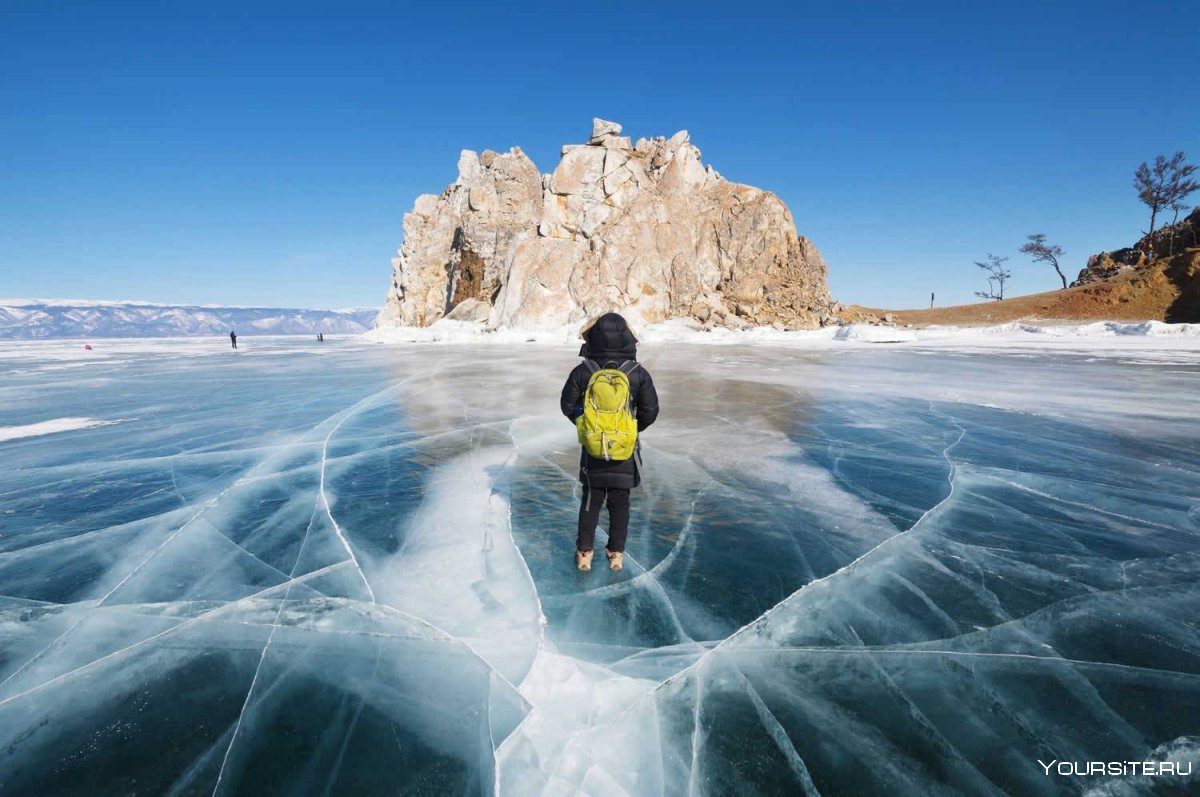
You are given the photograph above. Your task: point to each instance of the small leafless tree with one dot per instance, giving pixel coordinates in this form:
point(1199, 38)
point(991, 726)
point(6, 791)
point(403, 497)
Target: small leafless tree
point(1042, 252)
point(997, 276)
point(1164, 184)
point(1176, 207)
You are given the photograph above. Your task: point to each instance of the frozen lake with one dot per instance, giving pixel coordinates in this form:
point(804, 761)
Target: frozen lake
point(345, 569)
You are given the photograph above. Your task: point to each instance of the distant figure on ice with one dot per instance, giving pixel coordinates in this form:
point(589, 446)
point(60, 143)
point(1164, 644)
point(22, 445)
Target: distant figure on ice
point(321, 336)
point(233, 338)
point(610, 398)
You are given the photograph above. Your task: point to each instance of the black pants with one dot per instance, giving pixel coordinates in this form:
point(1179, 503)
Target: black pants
point(617, 499)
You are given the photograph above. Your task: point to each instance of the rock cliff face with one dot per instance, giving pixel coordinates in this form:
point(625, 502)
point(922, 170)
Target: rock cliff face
point(1168, 241)
point(644, 229)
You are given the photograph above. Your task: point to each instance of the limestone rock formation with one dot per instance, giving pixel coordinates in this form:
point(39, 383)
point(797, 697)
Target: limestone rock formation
point(647, 230)
point(456, 246)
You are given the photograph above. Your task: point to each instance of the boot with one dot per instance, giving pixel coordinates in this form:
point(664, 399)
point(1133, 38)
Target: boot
point(616, 560)
point(583, 561)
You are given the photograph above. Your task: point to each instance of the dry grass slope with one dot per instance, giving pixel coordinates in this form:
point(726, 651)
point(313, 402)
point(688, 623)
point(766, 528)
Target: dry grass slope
point(1165, 290)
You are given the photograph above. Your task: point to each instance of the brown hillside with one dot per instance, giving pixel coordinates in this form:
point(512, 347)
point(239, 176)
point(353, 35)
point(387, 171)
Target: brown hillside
point(1165, 290)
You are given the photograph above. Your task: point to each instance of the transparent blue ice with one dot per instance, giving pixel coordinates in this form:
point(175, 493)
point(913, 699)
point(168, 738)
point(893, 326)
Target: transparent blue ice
point(346, 569)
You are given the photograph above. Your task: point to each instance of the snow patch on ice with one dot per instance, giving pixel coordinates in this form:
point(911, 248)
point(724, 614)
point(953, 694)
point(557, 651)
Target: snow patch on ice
point(552, 748)
point(1096, 329)
point(875, 334)
point(448, 330)
point(50, 427)
point(1181, 752)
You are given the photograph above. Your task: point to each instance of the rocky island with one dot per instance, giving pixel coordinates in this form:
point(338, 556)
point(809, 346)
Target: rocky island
point(643, 228)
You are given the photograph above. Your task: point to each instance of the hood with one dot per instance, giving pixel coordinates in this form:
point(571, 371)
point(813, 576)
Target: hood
point(608, 338)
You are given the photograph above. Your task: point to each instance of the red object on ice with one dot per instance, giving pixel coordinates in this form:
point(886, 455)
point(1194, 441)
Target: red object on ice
point(87, 346)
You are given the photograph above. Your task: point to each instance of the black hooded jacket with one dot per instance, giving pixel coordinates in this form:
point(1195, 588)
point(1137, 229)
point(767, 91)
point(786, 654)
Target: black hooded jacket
point(610, 342)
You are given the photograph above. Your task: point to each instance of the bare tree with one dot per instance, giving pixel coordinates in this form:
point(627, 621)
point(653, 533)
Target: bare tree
point(1042, 252)
point(1164, 184)
point(996, 277)
point(1176, 206)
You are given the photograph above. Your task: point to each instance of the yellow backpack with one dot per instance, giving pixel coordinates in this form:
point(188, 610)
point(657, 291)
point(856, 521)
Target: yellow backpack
point(607, 428)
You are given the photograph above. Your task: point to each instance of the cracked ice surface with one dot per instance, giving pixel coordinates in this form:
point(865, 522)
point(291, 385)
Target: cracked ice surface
point(347, 570)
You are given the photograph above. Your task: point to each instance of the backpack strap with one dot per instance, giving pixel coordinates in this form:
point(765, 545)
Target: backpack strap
point(627, 368)
point(591, 365)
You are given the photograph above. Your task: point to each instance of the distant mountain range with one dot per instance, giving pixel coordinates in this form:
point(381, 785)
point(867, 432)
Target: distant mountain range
point(31, 319)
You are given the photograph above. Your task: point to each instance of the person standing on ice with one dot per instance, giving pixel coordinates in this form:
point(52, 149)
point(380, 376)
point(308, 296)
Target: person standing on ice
point(610, 398)
point(233, 338)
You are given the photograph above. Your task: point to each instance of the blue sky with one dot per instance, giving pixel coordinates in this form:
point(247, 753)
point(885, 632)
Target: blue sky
point(263, 153)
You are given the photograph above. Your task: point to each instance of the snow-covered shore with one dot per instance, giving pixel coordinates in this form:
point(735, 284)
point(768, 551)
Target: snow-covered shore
point(1159, 342)
point(1099, 336)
